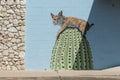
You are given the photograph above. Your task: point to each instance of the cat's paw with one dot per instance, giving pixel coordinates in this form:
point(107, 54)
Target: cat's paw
point(57, 36)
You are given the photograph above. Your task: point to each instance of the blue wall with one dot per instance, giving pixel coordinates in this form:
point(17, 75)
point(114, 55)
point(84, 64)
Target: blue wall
point(103, 37)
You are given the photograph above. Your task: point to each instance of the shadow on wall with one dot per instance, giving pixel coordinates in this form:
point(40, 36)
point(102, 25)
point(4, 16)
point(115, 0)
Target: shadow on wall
point(104, 36)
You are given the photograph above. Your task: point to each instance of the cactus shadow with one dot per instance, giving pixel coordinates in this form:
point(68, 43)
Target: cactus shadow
point(83, 59)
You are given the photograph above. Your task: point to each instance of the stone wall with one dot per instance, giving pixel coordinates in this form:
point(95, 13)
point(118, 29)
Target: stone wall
point(12, 34)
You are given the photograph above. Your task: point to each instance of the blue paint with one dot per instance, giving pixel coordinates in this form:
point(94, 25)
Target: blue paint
point(103, 37)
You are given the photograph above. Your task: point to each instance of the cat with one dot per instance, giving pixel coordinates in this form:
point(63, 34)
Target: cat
point(64, 22)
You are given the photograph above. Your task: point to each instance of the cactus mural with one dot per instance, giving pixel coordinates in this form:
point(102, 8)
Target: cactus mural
point(71, 51)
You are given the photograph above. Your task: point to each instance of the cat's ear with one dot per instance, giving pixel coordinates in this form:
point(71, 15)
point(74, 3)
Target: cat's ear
point(52, 15)
point(60, 13)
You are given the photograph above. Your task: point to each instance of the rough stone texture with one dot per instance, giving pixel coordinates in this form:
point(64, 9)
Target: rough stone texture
point(12, 33)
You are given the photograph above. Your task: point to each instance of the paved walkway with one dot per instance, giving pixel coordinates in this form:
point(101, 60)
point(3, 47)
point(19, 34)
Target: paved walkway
point(107, 74)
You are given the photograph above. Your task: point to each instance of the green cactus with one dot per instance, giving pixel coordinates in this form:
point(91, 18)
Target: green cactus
point(71, 52)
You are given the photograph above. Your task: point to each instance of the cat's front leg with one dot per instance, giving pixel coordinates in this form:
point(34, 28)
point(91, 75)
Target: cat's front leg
point(58, 33)
point(60, 30)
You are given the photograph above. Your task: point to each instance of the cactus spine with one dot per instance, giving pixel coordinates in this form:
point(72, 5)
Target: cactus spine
point(71, 52)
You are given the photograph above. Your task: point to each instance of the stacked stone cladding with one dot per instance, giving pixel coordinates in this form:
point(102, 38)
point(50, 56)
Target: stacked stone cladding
point(12, 34)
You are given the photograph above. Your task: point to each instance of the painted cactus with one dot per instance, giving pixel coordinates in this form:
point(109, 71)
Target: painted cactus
point(71, 52)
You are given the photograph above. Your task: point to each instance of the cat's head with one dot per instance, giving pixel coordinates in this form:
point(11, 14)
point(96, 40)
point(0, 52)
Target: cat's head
point(57, 19)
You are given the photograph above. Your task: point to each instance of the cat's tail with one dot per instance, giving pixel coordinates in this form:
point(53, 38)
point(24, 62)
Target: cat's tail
point(89, 26)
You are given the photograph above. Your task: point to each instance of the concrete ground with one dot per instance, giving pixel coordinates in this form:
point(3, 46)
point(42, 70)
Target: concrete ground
point(107, 74)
